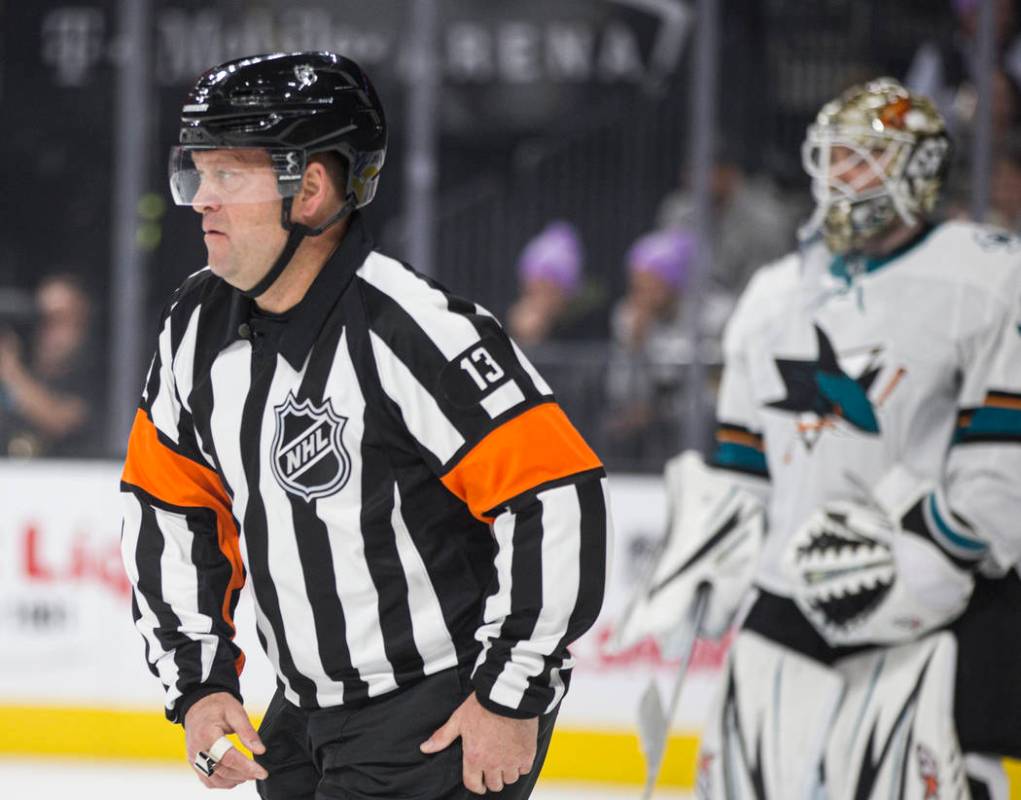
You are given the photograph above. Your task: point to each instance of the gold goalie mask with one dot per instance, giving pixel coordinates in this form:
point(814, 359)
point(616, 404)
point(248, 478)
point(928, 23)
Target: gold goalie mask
point(877, 157)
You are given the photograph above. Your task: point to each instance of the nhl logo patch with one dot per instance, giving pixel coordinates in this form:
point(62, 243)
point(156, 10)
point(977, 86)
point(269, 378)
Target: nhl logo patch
point(308, 456)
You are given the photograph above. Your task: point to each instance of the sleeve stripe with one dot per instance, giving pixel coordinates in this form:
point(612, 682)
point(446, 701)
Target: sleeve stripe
point(168, 476)
point(926, 520)
point(531, 449)
point(997, 421)
point(740, 458)
point(146, 620)
point(428, 306)
point(554, 583)
point(943, 529)
point(745, 438)
point(162, 408)
point(408, 342)
point(422, 414)
point(503, 399)
point(184, 360)
point(1004, 400)
point(514, 656)
point(175, 642)
point(515, 504)
point(596, 541)
point(739, 449)
point(540, 385)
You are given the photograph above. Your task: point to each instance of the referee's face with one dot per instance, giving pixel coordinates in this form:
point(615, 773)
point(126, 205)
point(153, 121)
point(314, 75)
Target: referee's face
point(243, 235)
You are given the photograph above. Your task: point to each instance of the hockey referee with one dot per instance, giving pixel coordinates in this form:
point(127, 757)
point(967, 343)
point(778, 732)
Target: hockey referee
point(423, 530)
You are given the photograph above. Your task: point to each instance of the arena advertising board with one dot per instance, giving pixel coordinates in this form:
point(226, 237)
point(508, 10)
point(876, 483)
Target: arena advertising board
point(65, 604)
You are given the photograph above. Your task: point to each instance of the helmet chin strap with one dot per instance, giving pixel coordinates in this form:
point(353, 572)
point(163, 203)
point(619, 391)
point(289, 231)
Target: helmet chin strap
point(296, 234)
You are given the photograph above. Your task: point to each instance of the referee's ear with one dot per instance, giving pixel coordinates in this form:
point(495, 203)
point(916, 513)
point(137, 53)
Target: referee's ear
point(317, 197)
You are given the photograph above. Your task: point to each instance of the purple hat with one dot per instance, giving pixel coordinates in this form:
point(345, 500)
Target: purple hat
point(554, 255)
point(667, 253)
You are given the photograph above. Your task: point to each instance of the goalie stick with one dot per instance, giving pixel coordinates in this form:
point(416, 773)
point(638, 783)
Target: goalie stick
point(653, 720)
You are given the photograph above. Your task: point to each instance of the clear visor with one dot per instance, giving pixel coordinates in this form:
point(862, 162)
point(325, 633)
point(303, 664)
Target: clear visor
point(851, 168)
point(228, 175)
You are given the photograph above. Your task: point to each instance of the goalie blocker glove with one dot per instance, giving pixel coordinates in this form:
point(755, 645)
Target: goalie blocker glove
point(715, 535)
point(871, 573)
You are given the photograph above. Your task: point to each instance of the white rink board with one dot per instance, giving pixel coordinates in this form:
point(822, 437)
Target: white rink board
point(65, 619)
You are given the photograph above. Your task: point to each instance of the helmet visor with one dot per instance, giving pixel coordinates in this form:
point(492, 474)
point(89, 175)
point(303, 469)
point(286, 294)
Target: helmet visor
point(228, 175)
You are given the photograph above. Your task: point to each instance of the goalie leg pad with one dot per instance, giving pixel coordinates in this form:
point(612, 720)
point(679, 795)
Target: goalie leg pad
point(766, 733)
point(894, 736)
point(986, 777)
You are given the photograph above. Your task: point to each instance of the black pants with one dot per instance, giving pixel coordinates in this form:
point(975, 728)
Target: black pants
point(371, 752)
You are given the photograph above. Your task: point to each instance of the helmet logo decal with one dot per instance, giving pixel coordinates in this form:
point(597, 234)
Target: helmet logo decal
point(893, 115)
point(292, 162)
point(305, 75)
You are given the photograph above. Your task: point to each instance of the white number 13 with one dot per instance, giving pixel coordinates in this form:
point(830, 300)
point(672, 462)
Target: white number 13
point(480, 356)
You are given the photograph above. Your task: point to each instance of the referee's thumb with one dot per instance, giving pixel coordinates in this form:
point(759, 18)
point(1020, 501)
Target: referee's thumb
point(242, 726)
point(442, 737)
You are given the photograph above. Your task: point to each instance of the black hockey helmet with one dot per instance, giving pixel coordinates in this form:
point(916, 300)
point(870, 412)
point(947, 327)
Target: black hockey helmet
point(291, 105)
point(300, 103)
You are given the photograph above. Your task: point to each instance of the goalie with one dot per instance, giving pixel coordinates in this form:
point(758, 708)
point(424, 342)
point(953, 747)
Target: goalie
point(859, 516)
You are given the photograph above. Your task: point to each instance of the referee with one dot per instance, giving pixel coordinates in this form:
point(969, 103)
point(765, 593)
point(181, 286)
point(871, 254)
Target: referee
point(423, 531)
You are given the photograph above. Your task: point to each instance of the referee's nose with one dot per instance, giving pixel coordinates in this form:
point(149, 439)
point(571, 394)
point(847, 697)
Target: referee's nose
point(205, 199)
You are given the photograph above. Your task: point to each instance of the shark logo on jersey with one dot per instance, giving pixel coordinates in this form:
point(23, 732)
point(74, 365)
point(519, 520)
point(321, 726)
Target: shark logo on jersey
point(822, 391)
point(308, 456)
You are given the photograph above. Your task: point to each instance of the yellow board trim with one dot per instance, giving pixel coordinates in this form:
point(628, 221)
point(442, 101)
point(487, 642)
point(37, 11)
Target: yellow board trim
point(575, 755)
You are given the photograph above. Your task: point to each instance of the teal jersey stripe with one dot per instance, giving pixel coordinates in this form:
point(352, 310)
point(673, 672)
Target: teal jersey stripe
point(740, 457)
point(952, 536)
point(990, 421)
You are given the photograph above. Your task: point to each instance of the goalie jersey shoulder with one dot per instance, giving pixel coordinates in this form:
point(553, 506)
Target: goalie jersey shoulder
point(977, 267)
point(771, 293)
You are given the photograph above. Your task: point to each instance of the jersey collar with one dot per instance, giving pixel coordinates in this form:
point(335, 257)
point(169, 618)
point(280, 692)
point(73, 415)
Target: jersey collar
point(846, 268)
point(303, 323)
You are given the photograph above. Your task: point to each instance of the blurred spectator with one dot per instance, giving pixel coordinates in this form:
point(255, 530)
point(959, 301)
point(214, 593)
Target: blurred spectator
point(1005, 190)
point(555, 303)
point(651, 347)
point(753, 222)
point(945, 71)
point(47, 392)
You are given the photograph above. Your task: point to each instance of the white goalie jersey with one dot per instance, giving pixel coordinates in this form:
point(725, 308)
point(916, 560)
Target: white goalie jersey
point(839, 371)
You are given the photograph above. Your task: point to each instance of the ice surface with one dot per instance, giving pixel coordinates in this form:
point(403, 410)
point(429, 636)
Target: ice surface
point(43, 779)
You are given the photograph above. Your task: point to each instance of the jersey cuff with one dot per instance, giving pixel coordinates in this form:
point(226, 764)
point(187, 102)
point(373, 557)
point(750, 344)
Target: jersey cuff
point(930, 519)
point(503, 711)
point(192, 696)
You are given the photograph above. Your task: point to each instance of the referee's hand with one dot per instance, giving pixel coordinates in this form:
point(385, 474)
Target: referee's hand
point(497, 750)
point(216, 715)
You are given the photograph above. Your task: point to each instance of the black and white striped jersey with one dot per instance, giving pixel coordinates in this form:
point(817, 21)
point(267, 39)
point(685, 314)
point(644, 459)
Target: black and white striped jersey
point(388, 472)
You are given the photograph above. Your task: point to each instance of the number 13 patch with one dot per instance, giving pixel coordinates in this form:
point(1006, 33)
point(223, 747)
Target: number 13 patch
point(478, 372)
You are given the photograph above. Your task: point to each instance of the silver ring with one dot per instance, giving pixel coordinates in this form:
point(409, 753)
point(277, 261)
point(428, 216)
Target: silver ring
point(206, 762)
